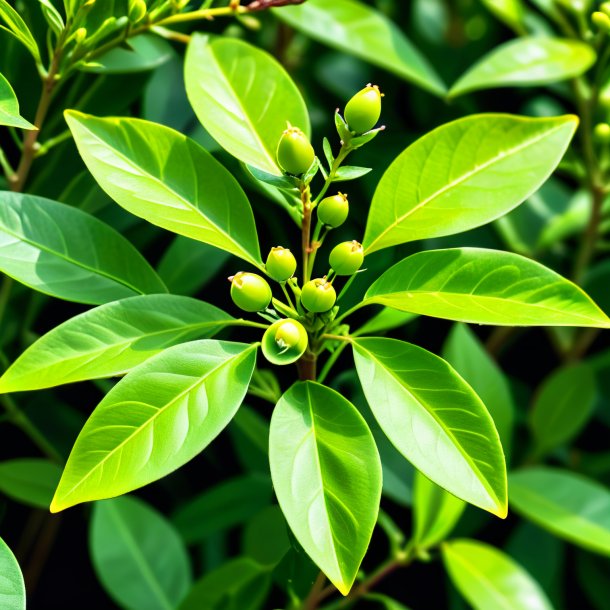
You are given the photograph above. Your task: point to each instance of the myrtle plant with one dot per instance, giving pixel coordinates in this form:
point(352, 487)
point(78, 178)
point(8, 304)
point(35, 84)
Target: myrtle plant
point(308, 310)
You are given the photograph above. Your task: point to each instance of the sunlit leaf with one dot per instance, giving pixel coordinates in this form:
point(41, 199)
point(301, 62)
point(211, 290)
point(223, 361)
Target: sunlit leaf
point(9, 107)
point(12, 587)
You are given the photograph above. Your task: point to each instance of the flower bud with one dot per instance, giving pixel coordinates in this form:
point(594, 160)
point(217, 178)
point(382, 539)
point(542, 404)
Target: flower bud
point(333, 210)
point(250, 292)
point(601, 21)
point(295, 154)
point(137, 10)
point(364, 109)
point(602, 132)
point(281, 264)
point(80, 35)
point(284, 341)
point(318, 296)
point(346, 258)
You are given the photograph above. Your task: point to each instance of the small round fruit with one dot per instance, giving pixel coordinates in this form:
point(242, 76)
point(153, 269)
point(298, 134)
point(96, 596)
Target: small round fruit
point(250, 292)
point(333, 210)
point(602, 21)
point(284, 341)
point(281, 264)
point(602, 132)
point(318, 296)
point(364, 109)
point(295, 154)
point(346, 258)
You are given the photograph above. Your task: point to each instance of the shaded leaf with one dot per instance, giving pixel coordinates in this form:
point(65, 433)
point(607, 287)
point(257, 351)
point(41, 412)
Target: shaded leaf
point(30, 481)
point(16, 26)
point(9, 107)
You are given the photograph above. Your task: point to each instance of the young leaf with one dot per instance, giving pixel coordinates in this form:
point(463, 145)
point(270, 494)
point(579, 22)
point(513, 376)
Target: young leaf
point(488, 578)
point(66, 253)
point(468, 357)
point(12, 587)
point(112, 339)
point(243, 97)
point(156, 419)
point(31, 481)
point(563, 406)
point(138, 556)
point(16, 26)
point(166, 178)
point(511, 12)
point(434, 418)
point(327, 477)
point(358, 29)
point(9, 107)
point(350, 172)
point(527, 62)
point(568, 505)
point(435, 512)
point(464, 174)
point(484, 287)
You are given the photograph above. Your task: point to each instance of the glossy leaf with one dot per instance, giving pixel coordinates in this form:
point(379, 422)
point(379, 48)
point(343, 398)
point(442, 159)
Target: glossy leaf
point(157, 418)
point(30, 481)
point(359, 30)
point(467, 355)
point(568, 505)
point(435, 512)
point(12, 587)
point(488, 578)
point(484, 287)
point(66, 253)
point(138, 556)
point(11, 22)
point(386, 319)
point(527, 62)
point(112, 339)
point(9, 107)
point(510, 11)
point(243, 97)
point(327, 477)
point(435, 419)
point(563, 406)
point(166, 178)
point(464, 174)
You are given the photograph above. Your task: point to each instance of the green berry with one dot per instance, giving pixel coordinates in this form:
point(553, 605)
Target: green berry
point(318, 296)
point(137, 10)
point(602, 132)
point(333, 210)
point(364, 109)
point(346, 258)
point(284, 341)
point(601, 21)
point(295, 154)
point(250, 292)
point(281, 264)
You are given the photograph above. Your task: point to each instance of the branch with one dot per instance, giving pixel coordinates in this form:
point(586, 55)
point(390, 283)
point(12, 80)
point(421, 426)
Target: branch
point(261, 5)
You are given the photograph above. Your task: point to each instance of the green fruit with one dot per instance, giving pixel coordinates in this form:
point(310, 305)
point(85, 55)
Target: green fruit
point(333, 210)
point(280, 264)
point(346, 258)
point(602, 21)
point(318, 296)
point(364, 109)
point(284, 342)
point(295, 154)
point(250, 292)
point(602, 132)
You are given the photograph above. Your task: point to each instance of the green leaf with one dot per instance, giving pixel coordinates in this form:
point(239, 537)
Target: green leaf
point(112, 339)
point(166, 178)
point(30, 481)
point(138, 556)
point(467, 355)
point(156, 419)
point(265, 536)
point(568, 505)
point(510, 12)
point(9, 107)
point(563, 406)
point(527, 62)
point(386, 602)
point(357, 29)
point(12, 587)
point(66, 253)
point(350, 172)
point(16, 26)
point(464, 174)
point(243, 97)
point(435, 512)
point(327, 477)
point(484, 287)
point(435, 419)
point(222, 507)
point(488, 578)
point(52, 16)
point(239, 584)
point(386, 319)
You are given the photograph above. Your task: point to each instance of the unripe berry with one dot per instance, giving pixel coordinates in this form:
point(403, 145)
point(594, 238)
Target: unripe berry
point(364, 109)
point(333, 210)
point(137, 10)
point(250, 292)
point(281, 264)
point(284, 341)
point(602, 21)
point(295, 154)
point(602, 132)
point(318, 296)
point(346, 258)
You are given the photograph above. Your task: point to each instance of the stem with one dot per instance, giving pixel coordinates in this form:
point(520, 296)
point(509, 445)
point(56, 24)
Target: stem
point(306, 230)
point(307, 366)
point(9, 172)
point(313, 598)
point(345, 150)
point(208, 13)
point(287, 295)
point(316, 242)
point(5, 292)
point(331, 361)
